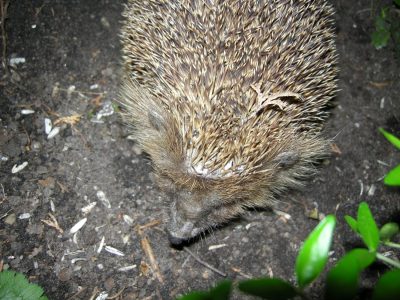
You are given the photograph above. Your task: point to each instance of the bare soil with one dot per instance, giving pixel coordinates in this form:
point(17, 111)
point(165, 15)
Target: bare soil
point(91, 170)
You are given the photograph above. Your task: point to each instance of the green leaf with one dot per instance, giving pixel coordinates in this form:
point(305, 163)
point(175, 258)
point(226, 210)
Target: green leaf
point(314, 252)
point(380, 38)
point(15, 286)
point(220, 292)
point(367, 227)
point(342, 280)
point(381, 23)
point(388, 231)
point(268, 288)
point(397, 2)
point(388, 287)
point(196, 296)
point(352, 223)
point(395, 141)
point(393, 177)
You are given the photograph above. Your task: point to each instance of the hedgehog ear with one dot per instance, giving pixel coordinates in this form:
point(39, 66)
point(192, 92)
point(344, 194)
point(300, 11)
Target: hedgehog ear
point(156, 121)
point(287, 159)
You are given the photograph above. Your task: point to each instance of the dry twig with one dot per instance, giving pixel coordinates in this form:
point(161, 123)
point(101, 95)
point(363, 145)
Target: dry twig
point(380, 85)
point(150, 224)
point(117, 294)
point(63, 188)
point(207, 265)
point(94, 293)
point(52, 222)
point(74, 296)
point(237, 270)
point(149, 251)
point(3, 196)
point(150, 255)
point(70, 120)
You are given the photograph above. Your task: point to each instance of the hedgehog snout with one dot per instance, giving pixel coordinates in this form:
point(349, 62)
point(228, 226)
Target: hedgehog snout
point(182, 222)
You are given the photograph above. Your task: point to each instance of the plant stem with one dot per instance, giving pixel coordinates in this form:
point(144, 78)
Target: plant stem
point(3, 16)
point(391, 244)
point(392, 262)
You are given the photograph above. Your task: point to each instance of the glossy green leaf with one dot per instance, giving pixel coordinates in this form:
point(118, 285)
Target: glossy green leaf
point(195, 296)
point(388, 231)
point(388, 286)
point(352, 223)
point(367, 227)
point(391, 138)
point(342, 279)
point(268, 288)
point(220, 292)
point(393, 177)
point(314, 252)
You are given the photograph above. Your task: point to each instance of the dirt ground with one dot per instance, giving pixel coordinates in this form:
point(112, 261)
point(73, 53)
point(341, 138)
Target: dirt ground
point(91, 171)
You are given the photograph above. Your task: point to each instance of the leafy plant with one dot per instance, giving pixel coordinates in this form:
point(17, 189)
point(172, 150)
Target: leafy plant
point(14, 286)
point(342, 279)
point(220, 292)
point(387, 25)
point(393, 177)
point(373, 237)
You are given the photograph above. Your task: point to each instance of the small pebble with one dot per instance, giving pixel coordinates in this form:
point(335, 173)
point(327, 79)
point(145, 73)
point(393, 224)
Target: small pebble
point(10, 219)
point(24, 216)
point(109, 284)
point(65, 275)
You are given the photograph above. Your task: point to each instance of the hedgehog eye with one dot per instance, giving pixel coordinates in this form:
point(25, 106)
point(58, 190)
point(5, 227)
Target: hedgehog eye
point(287, 159)
point(166, 184)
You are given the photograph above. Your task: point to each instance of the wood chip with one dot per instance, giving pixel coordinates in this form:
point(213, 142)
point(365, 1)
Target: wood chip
point(114, 251)
point(101, 245)
point(18, 168)
point(53, 132)
point(27, 111)
point(335, 149)
point(78, 226)
point(127, 268)
point(213, 247)
point(70, 120)
point(52, 222)
point(88, 208)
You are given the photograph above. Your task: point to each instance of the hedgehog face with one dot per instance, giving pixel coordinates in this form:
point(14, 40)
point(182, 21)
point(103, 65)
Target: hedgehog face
point(195, 210)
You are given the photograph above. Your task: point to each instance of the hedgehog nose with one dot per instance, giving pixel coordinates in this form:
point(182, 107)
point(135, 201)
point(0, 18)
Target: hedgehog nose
point(177, 236)
point(174, 240)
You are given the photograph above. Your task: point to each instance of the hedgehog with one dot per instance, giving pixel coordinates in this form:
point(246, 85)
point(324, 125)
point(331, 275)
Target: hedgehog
point(228, 99)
